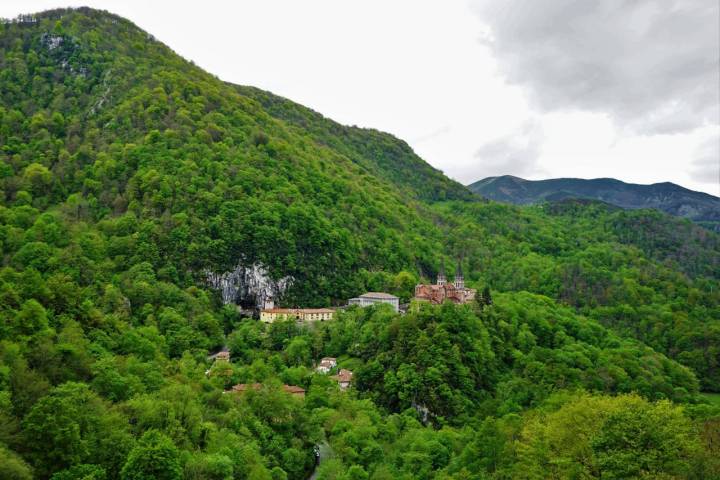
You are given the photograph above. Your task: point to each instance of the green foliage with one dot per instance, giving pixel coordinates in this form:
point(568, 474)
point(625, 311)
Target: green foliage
point(13, 467)
point(73, 426)
point(155, 457)
point(604, 437)
point(126, 174)
point(81, 472)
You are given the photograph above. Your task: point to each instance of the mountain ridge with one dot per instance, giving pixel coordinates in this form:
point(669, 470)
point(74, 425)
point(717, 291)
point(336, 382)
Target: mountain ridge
point(668, 197)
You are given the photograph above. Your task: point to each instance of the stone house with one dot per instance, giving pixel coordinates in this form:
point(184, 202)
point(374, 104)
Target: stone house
point(344, 378)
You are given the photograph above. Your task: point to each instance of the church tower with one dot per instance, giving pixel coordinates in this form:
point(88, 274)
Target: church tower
point(459, 280)
point(441, 280)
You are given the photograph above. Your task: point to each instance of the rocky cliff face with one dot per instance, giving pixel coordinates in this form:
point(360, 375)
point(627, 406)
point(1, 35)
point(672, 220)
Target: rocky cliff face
point(248, 286)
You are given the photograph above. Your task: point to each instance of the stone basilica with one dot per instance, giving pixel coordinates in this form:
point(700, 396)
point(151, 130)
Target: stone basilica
point(442, 290)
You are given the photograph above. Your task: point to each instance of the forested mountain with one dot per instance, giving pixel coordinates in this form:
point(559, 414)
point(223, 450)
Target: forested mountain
point(666, 197)
point(129, 177)
point(381, 154)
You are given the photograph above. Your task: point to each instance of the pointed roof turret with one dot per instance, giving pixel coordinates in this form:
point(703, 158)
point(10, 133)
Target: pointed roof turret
point(441, 274)
point(459, 280)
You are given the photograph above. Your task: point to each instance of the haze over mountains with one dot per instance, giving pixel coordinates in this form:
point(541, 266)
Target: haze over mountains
point(667, 197)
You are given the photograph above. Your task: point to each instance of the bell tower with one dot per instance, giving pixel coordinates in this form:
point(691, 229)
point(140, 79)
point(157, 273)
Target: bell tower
point(441, 280)
point(459, 280)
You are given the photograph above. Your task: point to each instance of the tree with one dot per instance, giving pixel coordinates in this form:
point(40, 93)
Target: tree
point(70, 426)
point(155, 457)
point(607, 437)
point(81, 472)
point(13, 467)
point(643, 439)
point(37, 178)
point(486, 296)
point(32, 318)
point(297, 352)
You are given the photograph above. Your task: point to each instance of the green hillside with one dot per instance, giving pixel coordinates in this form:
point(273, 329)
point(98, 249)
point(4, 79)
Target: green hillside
point(381, 154)
point(128, 176)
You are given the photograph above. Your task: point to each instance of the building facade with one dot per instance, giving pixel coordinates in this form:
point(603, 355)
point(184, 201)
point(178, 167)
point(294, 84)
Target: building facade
point(442, 291)
point(374, 298)
point(344, 378)
point(300, 314)
point(326, 364)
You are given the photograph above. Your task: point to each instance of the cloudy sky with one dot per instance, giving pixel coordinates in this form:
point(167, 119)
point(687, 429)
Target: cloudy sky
point(544, 88)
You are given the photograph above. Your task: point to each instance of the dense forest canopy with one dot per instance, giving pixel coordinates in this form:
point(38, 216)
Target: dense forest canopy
point(127, 174)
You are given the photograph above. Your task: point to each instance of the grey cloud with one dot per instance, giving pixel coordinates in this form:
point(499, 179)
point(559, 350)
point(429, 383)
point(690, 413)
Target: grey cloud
point(653, 65)
point(514, 154)
point(706, 166)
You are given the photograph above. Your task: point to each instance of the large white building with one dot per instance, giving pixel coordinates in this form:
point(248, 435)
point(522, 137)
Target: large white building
point(373, 298)
point(299, 314)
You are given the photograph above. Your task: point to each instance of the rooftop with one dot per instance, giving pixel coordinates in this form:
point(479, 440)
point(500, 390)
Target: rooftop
point(293, 389)
point(377, 295)
point(344, 375)
point(243, 387)
point(298, 310)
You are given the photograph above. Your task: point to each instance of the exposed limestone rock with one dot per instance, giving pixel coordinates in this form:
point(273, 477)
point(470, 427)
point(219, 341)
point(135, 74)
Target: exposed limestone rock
point(248, 286)
point(103, 98)
point(51, 41)
point(423, 412)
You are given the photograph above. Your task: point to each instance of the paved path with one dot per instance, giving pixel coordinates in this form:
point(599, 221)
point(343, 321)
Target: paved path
point(325, 452)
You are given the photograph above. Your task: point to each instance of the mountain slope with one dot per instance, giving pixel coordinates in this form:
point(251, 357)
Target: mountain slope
point(108, 135)
point(136, 121)
point(381, 154)
point(129, 178)
point(667, 197)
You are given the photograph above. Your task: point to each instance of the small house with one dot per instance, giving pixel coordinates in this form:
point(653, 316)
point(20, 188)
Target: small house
point(326, 364)
point(344, 378)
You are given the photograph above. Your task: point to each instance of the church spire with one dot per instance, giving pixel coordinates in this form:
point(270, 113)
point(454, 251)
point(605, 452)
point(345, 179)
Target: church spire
point(441, 280)
point(459, 280)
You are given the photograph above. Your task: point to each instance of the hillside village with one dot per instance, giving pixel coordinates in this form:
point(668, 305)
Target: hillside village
point(441, 291)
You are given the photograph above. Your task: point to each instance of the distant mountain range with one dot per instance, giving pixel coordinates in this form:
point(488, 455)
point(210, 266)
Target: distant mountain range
point(667, 197)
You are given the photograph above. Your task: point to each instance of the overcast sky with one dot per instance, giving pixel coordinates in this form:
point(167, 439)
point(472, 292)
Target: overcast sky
point(543, 88)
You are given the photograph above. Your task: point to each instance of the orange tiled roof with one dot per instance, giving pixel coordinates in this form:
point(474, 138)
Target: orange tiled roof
point(244, 387)
point(293, 389)
point(344, 375)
